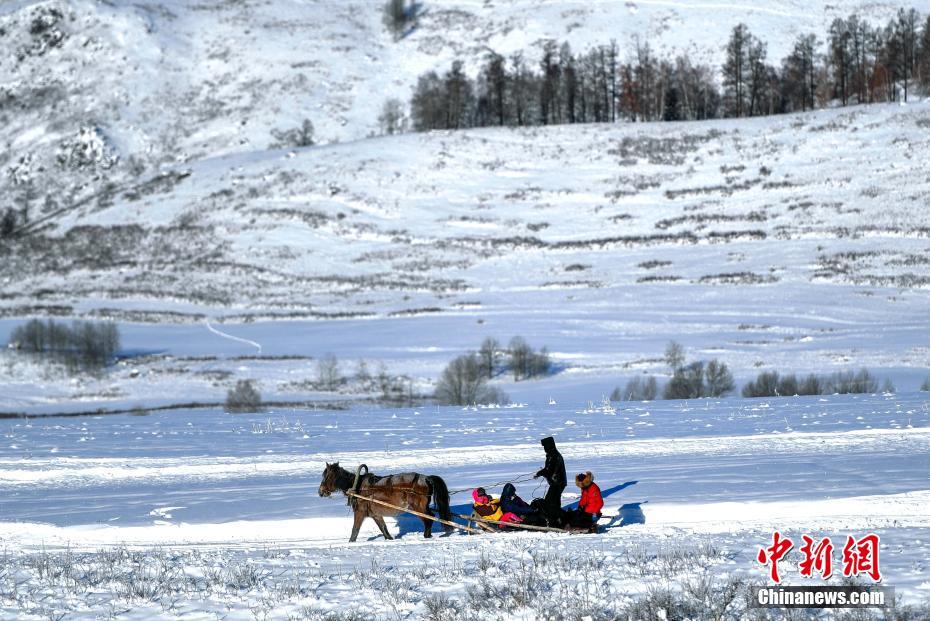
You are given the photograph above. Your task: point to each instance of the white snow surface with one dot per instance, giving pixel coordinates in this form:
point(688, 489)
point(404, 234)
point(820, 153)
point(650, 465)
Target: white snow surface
point(720, 473)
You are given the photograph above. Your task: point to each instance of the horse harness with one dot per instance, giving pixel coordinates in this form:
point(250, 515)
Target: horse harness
point(373, 483)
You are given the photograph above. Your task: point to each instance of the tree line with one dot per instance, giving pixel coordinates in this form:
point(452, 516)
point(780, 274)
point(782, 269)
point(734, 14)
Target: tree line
point(853, 62)
point(700, 379)
point(82, 344)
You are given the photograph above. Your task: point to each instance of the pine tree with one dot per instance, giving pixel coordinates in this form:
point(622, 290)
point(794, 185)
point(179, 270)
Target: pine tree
point(735, 70)
point(548, 95)
point(758, 76)
point(568, 83)
point(906, 35)
point(521, 90)
point(800, 73)
point(840, 57)
point(426, 106)
point(923, 61)
point(458, 97)
point(495, 78)
point(860, 36)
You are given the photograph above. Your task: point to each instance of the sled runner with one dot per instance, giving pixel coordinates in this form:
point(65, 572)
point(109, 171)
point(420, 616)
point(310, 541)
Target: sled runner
point(496, 526)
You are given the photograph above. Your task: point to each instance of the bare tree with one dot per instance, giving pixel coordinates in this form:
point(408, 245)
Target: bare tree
point(384, 380)
point(463, 382)
point(488, 355)
point(328, 371)
point(519, 354)
point(361, 372)
point(718, 378)
point(674, 355)
point(638, 389)
point(392, 118)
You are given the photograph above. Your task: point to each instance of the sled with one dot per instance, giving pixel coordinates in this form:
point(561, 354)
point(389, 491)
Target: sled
point(495, 526)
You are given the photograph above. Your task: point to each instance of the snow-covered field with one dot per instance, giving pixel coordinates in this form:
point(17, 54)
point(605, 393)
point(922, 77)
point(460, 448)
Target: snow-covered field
point(144, 139)
point(189, 514)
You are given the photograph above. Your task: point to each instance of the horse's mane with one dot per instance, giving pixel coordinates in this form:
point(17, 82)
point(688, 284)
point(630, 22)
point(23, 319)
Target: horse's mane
point(345, 478)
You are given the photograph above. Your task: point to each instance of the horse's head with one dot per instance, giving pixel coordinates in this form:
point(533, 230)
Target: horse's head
point(328, 485)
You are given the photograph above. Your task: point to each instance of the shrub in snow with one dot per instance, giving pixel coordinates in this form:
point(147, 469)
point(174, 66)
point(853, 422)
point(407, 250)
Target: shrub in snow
point(21, 171)
point(45, 30)
point(87, 149)
point(847, 382)
point(8, 222)
point(243, 398)
point(925, 387)
point(686, 383)
point(397, 16)
point(298, 137)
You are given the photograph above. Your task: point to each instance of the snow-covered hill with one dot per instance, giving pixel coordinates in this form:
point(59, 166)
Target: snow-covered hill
point(797, 242)
point(97, 93)
point(444, 220)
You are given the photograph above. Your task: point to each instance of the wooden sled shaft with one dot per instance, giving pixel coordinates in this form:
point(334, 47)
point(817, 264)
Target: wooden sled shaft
point(544, 529)
point(412, 512)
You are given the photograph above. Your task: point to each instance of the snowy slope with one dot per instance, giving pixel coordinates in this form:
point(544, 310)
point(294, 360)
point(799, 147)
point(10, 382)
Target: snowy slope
point(144, 84)
point(834, 197)
point(798, 243)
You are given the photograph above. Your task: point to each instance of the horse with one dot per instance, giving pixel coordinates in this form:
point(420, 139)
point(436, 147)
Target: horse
point(411, 490)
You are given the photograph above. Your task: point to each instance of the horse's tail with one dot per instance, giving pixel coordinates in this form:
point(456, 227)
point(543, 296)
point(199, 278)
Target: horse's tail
point(441, 498)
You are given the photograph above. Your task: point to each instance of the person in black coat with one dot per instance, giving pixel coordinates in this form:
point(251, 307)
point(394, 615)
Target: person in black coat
point(554, 472)
point(511, 503)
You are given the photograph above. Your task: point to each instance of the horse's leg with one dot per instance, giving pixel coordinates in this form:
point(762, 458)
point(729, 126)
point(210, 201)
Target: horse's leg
point(427, 528)
point(379, 520)
point(359, 518)
point(427, 524)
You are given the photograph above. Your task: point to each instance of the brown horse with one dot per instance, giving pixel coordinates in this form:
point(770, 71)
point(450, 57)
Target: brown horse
point(410, 490)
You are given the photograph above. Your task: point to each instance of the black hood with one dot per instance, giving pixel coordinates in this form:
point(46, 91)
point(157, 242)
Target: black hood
point(509, 492)
point(548, 444)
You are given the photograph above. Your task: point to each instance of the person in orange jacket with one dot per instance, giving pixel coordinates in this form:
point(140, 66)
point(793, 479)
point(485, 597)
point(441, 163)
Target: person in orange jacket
point(589, 507)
